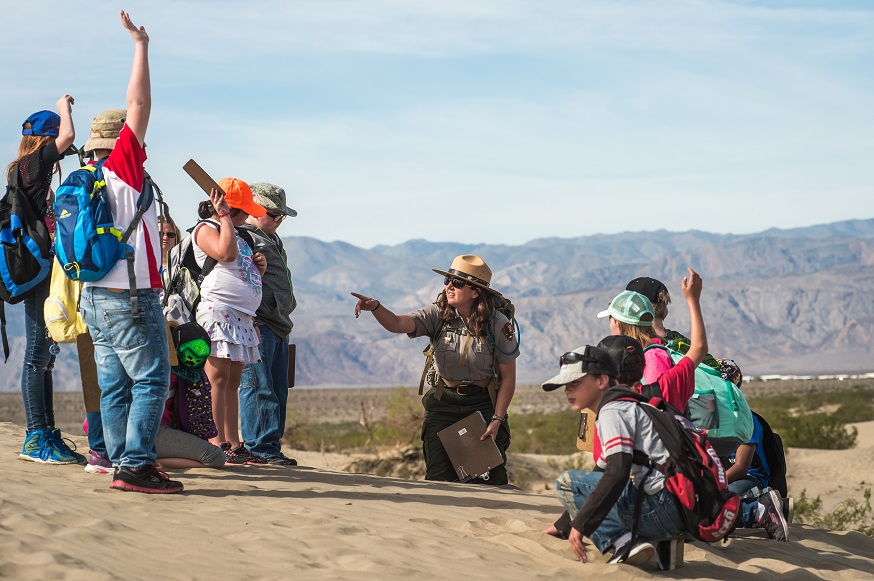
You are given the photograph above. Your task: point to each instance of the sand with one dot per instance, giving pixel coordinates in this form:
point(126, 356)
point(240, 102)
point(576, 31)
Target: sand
point(317, 522)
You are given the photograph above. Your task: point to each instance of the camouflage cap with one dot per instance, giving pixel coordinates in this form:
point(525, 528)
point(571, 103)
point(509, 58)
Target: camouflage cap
point(272, 197)
point(105, 128)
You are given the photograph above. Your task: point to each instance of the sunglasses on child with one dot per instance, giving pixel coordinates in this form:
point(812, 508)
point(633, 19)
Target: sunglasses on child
point(573, 357)
point(457, 282)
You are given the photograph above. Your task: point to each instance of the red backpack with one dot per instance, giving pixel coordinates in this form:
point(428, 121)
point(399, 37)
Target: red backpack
point(693, 474)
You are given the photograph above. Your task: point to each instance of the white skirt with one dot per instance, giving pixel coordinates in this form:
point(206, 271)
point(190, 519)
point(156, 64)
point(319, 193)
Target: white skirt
point(231, 332)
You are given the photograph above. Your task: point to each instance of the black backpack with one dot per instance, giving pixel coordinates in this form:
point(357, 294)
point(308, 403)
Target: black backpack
point(772, 446)
point(26, 259)
point(693, 474)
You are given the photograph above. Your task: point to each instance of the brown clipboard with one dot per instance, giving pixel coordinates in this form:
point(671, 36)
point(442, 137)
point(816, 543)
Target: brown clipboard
point(470, 456)
point(292, 356)
point(88, 373)
point(200, 177)
point(586, 431)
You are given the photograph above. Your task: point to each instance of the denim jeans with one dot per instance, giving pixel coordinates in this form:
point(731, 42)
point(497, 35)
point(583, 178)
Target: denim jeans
point(264, 396)
point(133, 371)
point(96, 440)
point(660, 518)
point(36, 374)
point(749, 507)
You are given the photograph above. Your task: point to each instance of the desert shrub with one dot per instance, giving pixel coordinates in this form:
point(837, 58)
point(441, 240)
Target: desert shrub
point(815, 430)
point(402, 422)
point(545, 433)
point(578, 461)
point(848, 515)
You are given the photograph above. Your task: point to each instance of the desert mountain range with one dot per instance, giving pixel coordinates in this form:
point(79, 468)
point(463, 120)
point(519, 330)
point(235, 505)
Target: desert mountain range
point(797, 301)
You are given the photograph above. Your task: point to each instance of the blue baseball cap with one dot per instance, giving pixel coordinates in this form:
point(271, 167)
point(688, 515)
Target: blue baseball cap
point(42, 123)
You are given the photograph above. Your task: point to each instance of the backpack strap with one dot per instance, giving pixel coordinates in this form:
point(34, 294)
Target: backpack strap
point(143, 204)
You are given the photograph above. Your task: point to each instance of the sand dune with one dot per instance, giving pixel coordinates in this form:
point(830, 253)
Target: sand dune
point(61, 523)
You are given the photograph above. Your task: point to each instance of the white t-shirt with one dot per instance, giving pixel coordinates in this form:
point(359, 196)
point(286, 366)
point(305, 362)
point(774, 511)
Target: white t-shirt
point(235, 283)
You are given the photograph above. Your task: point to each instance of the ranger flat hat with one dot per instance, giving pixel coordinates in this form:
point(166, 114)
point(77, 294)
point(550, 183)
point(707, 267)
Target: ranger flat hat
point(472, 269)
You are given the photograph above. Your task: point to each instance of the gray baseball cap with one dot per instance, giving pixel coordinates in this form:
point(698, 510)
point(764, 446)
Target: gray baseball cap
point(272, 197)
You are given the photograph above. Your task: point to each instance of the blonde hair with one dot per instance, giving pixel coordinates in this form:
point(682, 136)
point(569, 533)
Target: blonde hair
point(660, 307)
point(642, 335)
point(29, 144)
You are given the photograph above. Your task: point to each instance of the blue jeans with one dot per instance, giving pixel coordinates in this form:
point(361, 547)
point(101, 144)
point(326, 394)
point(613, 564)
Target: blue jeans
point(133, 370)
point(96, 440)
point(660, 518)
point(36, 374)
point(749, 507)
point(264, 396)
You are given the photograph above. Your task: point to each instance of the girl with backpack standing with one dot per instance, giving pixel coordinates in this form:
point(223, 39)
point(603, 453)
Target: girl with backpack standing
point(230, 296)
point(46, 138)
point(473, 344)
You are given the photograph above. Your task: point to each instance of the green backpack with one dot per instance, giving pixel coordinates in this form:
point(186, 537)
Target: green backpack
point(717, 406)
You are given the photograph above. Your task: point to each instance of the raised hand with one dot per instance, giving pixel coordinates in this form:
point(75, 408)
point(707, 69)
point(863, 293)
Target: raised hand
point(138, 34)
point(692, 285)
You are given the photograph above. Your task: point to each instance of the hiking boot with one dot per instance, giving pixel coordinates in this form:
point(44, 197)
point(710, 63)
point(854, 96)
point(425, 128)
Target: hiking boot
point(280, 460)
point(788, 509)
point(98, 464)
point(61, 443)
point(147, 480)
point(772, 519)
point(638, 554)
point(39, 446)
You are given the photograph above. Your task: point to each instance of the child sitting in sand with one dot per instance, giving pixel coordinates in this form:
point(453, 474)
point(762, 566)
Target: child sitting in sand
point(601, 504)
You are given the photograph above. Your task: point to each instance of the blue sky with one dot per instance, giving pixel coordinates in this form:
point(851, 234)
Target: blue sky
point(481, 121)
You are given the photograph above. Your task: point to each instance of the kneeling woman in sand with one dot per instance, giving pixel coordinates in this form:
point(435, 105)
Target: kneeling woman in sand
point(475, 348)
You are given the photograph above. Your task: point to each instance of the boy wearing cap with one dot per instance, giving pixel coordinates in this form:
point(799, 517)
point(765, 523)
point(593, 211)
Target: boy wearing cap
point(264, 385)
point(131, 354)
point(602, 504)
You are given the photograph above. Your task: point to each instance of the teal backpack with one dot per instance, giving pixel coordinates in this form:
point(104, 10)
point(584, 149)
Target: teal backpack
point(717, 406)
point(87, 242)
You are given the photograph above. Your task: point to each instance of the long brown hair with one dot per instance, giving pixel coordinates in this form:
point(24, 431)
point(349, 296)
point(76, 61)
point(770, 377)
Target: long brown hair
point(29, 144)
point(480, 313)
point(642, 335)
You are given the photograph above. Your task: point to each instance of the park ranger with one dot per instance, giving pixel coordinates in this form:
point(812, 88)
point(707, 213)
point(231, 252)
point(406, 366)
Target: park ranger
point(474, 349)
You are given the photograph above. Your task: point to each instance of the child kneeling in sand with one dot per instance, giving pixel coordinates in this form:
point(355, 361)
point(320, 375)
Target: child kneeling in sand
point(601, 504)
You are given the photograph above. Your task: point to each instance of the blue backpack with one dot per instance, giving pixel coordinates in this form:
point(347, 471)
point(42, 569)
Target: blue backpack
point(87, 242)
point(718, 407)
point(26, 250)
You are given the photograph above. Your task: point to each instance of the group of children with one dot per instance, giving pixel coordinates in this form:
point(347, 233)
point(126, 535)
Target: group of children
point(601, 504)
point(145, 410)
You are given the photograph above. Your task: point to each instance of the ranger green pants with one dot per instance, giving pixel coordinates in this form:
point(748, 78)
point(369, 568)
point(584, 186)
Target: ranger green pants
point(442, 413)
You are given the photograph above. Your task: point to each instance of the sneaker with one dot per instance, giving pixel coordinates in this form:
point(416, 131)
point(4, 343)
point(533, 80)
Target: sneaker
point(147, 480)
point(788, 505)
point(772, 519)
point(98, 464)
point(61, 443)
point(40, 446)
point(230, 456)
point(280, 460)
point(252, 459)
point(639, 554)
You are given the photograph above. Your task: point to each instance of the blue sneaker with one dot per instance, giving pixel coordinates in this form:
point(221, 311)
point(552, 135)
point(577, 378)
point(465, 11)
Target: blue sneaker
point(40, 446)
point(61, 443)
